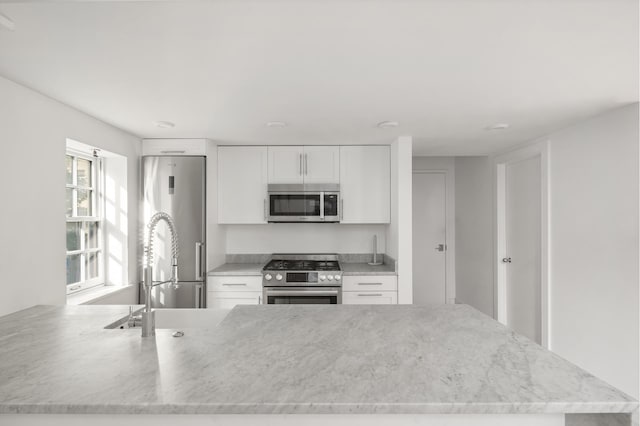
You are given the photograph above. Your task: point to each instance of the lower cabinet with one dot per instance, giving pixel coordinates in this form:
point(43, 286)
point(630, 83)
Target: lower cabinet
point(370, 290)
point(225, 292)
point(369, 297)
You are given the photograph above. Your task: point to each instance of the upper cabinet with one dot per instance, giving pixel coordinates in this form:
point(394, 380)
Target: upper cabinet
point(304, 164)
point(365, 184)
point(174, 147)
point(242, 184)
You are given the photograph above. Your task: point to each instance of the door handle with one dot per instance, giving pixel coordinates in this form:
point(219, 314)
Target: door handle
point(506, 260)
point(198, 296)
point(199, 260)
point(441, 247)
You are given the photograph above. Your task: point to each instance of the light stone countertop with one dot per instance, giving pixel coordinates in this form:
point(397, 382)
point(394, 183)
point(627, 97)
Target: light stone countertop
point(245, 269)
point(366, 269)
point(227, 269)
point(289, 359)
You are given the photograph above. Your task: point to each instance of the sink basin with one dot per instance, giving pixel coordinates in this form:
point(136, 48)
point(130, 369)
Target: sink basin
point(180, 318)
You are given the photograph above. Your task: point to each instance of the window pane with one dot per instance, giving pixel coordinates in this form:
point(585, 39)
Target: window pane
point(73, 268)
point(69, 170)
point(69, 202)
point(91, 235)
point(73, 236)
point(91, 267)
point(84, 172)
point(84, 202)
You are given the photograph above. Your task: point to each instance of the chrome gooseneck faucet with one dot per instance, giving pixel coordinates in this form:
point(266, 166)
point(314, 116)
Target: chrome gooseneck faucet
point(148, 315)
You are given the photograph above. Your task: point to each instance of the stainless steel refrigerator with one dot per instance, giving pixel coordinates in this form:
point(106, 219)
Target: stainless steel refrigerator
point(176, 185)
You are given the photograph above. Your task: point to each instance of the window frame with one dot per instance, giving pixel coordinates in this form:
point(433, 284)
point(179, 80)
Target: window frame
point(97, 217)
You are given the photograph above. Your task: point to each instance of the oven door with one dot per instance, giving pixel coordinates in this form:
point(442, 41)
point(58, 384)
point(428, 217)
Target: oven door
point(295, 207)
point(302, 296)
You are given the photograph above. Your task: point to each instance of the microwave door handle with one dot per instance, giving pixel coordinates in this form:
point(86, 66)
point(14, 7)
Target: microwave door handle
point(322, 206)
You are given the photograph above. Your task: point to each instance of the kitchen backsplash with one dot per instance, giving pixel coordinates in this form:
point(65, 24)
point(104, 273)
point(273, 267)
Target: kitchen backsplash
point(304, 238)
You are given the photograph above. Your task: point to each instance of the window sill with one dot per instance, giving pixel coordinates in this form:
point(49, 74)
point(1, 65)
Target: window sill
point(94, 294)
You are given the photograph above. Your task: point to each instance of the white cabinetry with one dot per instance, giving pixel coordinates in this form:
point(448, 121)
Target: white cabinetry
point(242, 184)
point(365, 184)
point(370, 290)
point(304, 164)
point(175, 147)
point(225, 292)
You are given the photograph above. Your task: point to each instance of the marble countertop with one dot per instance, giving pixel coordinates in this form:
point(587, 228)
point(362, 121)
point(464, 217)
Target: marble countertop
point(238, 269)
point(289, 359)
point(347, 269)
point(366, 269)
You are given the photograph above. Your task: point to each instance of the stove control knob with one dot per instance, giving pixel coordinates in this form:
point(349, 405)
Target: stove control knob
point(268, 277)
point(322, 277)
point(330, 277)
point(278, 277)
point(337, 277)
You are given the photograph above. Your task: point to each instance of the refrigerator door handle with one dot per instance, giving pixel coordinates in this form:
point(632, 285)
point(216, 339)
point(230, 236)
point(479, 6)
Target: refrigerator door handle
point(198, 302)
point(199, 261)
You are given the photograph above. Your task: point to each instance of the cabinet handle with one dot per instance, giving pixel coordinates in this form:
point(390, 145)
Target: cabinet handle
point(306, 168)
point(173, 152)
point(370, 294)
point(369, 283)
point(265, 209)
point(259, 300)
point(234, 284)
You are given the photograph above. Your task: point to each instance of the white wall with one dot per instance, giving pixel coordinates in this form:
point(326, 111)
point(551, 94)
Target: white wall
point(446, 165)
point(304, 238)
point(33, 130)
point(594, 246)
point(399, 232)
point(474, 233)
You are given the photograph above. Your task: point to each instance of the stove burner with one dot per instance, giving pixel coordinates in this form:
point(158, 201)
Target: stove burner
point(303, 265)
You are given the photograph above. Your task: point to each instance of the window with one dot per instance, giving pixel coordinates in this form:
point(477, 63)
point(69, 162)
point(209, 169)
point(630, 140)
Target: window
point(84, 222)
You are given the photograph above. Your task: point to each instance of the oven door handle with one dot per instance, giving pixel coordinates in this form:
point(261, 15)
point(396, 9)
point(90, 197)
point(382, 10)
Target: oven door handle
point(274, 292)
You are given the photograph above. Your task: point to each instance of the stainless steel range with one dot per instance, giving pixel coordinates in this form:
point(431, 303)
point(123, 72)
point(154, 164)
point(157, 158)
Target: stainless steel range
point(302, 279)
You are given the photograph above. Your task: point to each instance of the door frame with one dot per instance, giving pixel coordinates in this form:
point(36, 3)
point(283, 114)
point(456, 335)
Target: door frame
point(450, 234)
point(539, 148)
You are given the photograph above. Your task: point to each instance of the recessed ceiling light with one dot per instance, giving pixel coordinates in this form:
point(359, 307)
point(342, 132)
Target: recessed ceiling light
point(7, 23)
point(276, 124)
point(388, 124)
point(498, 126)
point(165, 124)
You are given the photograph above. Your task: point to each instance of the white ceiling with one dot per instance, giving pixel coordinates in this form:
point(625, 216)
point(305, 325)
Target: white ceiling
point(332, 69)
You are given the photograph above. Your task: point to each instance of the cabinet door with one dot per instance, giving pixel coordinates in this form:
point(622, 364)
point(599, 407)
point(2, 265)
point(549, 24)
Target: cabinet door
point(286, 164)
point(229, 299)
point(365, 184)
point(174, 147)
point(242, 184)
point(321, 164)
point(369, 297)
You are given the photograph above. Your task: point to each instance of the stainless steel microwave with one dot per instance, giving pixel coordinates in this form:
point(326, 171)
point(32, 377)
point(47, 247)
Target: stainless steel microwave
point(303, 202)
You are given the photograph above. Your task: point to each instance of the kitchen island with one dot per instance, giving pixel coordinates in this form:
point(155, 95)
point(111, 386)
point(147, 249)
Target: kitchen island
point(443, 365)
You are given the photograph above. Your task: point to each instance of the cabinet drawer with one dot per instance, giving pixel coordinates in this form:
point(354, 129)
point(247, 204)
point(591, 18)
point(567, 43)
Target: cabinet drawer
point(174, 147)
point(369, 297)
point(229, 299)
point(369, 283)
point(234, 283)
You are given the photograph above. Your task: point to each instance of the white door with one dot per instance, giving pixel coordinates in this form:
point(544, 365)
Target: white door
point(522, 254)
point(321, 164)
point(365, 184)
point(242, 184)
point(429, 238)
point(286, 164)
